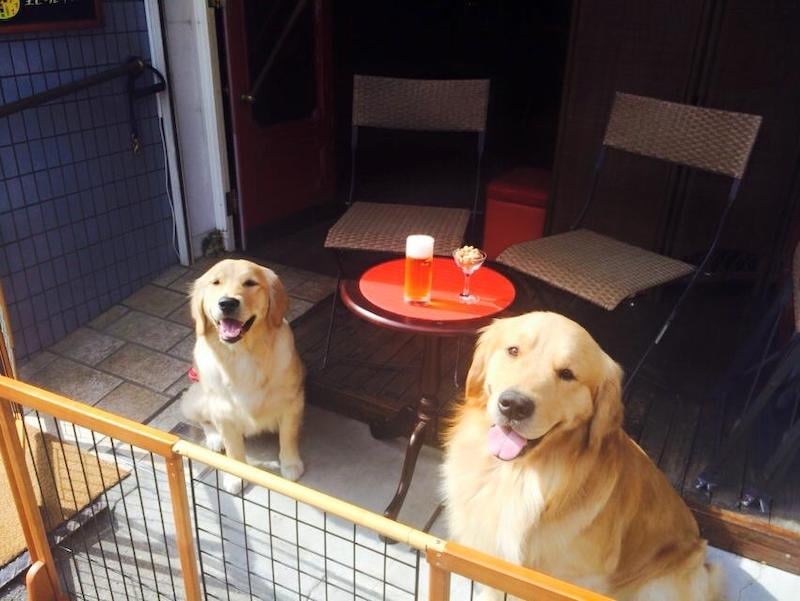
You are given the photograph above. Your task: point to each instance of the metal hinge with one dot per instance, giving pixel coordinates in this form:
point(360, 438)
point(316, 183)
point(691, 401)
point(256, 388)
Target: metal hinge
point(216, 4)
point(231, 202)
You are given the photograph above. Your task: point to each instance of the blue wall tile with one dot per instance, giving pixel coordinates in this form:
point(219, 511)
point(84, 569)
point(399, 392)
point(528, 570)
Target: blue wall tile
point(19, 58)
point(83, 221)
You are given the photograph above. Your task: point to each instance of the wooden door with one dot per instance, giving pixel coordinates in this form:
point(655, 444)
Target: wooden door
point(278, 55)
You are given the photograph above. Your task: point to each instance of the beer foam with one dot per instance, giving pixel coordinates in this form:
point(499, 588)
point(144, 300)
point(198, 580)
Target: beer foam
point(419, 246)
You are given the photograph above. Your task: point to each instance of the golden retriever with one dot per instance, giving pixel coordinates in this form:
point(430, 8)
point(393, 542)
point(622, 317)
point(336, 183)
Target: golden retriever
point(538, 470)
point(250, 375)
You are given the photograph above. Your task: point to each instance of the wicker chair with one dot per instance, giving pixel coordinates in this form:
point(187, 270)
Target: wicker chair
point(408, 104)
point(606, 271)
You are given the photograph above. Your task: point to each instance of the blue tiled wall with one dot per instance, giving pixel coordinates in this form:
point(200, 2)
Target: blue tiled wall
point(83, 220)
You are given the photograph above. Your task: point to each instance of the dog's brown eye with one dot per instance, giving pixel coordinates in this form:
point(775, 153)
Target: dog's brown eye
point(513, 351)
point(250, 283)
point(215, 283)
point(566, 374)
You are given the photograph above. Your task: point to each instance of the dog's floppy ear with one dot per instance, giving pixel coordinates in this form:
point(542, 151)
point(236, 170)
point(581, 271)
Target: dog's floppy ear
point(608, 408)
point(196, 306)
point(475, 390)
point(278, 299)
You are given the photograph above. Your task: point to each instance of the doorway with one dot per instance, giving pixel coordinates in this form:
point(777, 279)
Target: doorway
point(277, 62)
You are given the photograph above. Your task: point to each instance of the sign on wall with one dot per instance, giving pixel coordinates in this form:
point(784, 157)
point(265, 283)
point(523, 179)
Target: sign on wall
point(46, 15)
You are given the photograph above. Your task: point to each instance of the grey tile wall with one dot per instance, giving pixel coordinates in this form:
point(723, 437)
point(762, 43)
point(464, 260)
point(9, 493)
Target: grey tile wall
point(83, 221)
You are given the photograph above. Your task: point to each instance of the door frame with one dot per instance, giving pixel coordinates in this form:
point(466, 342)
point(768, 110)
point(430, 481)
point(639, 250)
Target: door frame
point(212, 124)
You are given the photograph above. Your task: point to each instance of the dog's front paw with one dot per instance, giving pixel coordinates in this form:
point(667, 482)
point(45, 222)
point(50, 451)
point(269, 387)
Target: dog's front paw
point(292, 470)
point(214, 442)
point(232, 484)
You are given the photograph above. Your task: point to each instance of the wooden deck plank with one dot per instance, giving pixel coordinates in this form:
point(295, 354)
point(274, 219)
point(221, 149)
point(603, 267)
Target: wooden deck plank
point(732, 477)
point(786, 505)
point(658, 424)
point(703, 447)
point(389, 351)
point(748, 537)
point(403, 385)
point(349, 349)
point(636, 409)
point(678, 445)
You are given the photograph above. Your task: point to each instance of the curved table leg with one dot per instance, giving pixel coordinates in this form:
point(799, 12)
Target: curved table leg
point(410, 461)
point(427, 411)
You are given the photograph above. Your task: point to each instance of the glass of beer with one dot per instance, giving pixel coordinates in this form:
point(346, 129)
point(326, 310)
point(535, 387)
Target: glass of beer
point(419, 269)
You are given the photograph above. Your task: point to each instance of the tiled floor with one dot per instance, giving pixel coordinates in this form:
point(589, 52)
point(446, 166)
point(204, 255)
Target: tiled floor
point(133, 359)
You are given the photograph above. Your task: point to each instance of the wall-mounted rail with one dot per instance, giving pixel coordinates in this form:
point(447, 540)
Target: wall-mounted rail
point(133, 68)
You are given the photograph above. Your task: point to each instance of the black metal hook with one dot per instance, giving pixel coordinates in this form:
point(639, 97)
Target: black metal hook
point(140, 92)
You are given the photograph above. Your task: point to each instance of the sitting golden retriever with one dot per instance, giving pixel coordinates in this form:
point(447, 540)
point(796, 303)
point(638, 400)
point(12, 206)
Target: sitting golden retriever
point(538, 470)
point(250, 375)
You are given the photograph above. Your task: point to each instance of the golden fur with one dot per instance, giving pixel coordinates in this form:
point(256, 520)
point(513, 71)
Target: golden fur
point(583, 503)
point(255, 382)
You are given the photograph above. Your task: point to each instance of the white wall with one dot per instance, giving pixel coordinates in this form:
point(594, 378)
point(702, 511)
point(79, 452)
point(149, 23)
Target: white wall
point(194, 78)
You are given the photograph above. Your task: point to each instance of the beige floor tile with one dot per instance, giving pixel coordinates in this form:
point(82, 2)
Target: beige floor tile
point(113, 314)
point(290, 277)
point(184, 283)
point(182, 315)
point(87, 346)
point(158, 334)
point(314, 290)
point(155, 300)
point(132, 401)
point(169, 417)
point(145, 366)
point(178, 387)
point(170, 275)
point(184, 349)
point(75, 381)
point(297, 307)
point(203, 264)
point(35, 363)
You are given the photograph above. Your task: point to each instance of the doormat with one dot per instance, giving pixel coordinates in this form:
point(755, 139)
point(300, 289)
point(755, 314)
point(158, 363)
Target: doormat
point(66, 482)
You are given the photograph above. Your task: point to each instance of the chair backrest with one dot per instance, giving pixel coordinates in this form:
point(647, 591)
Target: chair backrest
point(709, 139)
point(420, 104)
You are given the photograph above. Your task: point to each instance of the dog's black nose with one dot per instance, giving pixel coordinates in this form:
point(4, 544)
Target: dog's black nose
point(228, 304)
point(515, 405)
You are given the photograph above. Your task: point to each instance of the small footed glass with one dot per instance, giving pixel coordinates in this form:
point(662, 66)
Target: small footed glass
point(469, 260)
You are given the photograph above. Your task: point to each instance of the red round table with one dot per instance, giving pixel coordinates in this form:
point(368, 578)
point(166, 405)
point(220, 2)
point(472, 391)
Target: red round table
point(377, 297)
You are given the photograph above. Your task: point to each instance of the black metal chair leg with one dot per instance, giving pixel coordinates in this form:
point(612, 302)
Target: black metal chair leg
point(655, 341)
point(331, 323)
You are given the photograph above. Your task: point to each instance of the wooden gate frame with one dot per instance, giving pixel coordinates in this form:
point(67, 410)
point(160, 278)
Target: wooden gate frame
point(444, 558)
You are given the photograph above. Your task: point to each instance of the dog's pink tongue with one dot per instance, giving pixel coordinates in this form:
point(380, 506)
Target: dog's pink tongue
point(504, 443)
point(230, 328)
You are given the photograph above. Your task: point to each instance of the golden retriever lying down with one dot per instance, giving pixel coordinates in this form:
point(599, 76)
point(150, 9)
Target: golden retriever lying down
point(538, 470)
point(250, 375)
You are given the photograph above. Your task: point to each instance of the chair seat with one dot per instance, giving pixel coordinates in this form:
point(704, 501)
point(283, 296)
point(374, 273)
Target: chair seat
point(597, 268)
point(384, 227)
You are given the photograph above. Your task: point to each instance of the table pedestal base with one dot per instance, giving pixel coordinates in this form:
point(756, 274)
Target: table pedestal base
point(406, 421)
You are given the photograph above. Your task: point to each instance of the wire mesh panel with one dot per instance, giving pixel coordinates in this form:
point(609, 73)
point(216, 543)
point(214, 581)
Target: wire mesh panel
point(107, 509)
point(264, 545)
point(124, 521)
